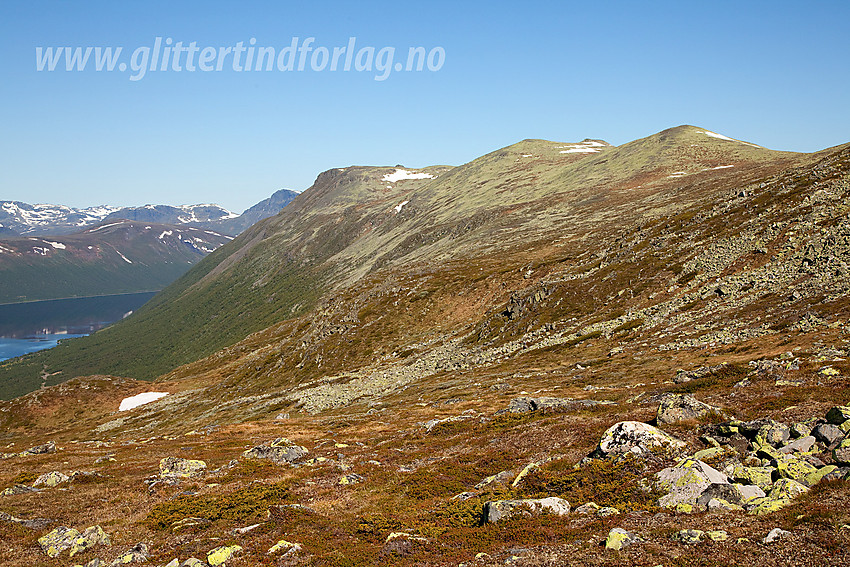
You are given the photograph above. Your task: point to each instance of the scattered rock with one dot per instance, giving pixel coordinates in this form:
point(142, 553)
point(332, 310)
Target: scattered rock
point(503, 477)
point(688, 536)
point(801, 445)
point(758, 476)
point(34, 524)
point(136, 554)
point(89, 538)
point(58, 540)
point(773, 433)
point(619, 539)
point(175, 467)
point(51, 479)
point(49, 447)
point(790, 467)
point(285, 548)
point(592, 508)
point(352, 478)
point(841, 454)
point(734, 494)
point(775, 534)
point(185, 523)
point(402, 543)
point(786, 489)
point(18, 489)
point(499, 509)
point(221, 554)
point(522, 405)
point(280, 451)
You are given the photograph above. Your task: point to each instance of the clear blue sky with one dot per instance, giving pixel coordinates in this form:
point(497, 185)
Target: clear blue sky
point(775, 73)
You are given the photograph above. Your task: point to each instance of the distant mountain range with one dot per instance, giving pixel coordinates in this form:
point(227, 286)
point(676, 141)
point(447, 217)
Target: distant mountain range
point(114, 257)
point(23, 219)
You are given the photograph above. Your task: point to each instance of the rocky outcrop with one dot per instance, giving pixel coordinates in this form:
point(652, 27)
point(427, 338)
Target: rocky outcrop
point(681, 407)
point(280, 451)
point(500, 509)
point(523, 405)
point(175, 468)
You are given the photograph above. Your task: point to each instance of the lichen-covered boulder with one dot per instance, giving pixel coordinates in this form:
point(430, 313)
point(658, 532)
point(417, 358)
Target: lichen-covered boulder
point(758, 476)
point(766, 505)
point(786, 488)
point(685, 481)
point(619, 539)
point(634, 437)
point(90, 537)
point(674, 408)
point(221, 554)
point(773, 433)
point(49, 447)
point(18, 489)
point(136, 554)
point(797, 469)
point(688, 536)
point(51, 479)
point(58, 540)
point(280, 451)
point(175, 467)
point(285, 548)
point(500, 509)
point(801, 445)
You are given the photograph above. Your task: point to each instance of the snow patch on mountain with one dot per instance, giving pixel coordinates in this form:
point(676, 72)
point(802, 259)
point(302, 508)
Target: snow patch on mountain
point(140, 400)
point(401, 174)
point(585, 147)
point(727, 138)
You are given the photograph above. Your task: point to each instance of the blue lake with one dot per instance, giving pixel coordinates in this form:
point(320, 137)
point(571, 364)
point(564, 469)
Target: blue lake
point(38, 325)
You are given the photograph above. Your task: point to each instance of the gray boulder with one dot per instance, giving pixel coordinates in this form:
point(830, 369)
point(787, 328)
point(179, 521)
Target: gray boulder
point(685, 482)
point(634, 437)
point(500, 509)
point(175, 467)
point(674, 408)
point(280, 451)
point(828, 433)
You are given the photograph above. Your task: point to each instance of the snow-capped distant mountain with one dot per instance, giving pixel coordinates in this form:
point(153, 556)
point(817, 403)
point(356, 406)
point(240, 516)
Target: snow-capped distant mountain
point(23, 219)
point(166, 214)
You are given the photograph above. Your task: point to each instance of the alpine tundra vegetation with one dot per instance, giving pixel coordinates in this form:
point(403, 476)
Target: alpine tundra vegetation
point(555, 354)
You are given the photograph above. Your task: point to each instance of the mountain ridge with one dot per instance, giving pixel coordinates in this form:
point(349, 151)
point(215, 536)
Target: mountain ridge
point(353, 223)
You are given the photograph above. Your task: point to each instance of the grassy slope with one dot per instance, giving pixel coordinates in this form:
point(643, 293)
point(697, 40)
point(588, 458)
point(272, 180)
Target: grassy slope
point(345, 227)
